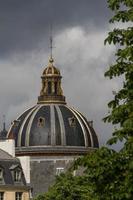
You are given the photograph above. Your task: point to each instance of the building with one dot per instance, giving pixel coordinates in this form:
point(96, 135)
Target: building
point(51, 133)
point(3, 132)
point(12, 180)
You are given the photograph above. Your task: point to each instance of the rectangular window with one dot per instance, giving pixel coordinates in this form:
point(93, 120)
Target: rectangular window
point(18, 196)
point(59, 170)
point(17, 176)
point(1, 195)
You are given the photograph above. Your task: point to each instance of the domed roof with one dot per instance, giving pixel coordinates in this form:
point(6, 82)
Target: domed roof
point(51, 69)
point(53, 125)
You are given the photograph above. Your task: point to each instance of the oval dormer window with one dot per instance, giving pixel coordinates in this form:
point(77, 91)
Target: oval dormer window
point(72, 121)
point(41, 122)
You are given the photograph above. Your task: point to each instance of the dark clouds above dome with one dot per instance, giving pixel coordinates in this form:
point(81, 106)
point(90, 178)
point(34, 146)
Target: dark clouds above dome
point(24, 24)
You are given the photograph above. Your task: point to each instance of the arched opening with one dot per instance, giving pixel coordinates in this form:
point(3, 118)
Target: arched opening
point(49, 87)
point(55, 87)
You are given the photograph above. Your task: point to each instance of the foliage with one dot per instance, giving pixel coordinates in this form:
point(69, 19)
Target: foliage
point(40, 197)
point(121, 107)
point(67, 187)
point(108, 175)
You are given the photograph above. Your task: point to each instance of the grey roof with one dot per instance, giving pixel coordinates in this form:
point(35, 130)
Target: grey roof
point(7, 163)
point(61, 126)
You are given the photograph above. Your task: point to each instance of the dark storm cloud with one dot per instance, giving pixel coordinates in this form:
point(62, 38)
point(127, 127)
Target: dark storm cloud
point(25, 23)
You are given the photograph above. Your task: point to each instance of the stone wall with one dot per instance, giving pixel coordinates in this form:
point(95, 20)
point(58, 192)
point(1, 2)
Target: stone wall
point(44, 170)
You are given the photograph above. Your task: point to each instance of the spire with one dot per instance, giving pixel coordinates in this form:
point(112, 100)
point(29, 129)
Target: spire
point(4, 123)
point(3, 133)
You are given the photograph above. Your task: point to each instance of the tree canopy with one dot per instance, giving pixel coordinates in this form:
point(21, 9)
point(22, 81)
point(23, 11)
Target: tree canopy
point(108, 175)
point(121, 107)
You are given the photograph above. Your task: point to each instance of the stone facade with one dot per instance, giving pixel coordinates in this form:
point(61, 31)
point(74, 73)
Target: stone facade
point(44, 169)
point(10, 194)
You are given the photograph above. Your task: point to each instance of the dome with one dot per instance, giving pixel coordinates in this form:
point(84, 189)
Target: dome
point(51, 69)
point(51, 126)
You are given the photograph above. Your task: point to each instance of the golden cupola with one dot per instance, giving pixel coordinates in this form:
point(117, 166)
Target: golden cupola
point(51, 91)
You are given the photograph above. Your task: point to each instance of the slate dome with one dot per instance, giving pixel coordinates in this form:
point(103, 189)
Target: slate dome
point(51, 126)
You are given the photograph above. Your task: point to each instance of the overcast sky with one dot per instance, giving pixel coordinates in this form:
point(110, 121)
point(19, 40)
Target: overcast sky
point(79, 30)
